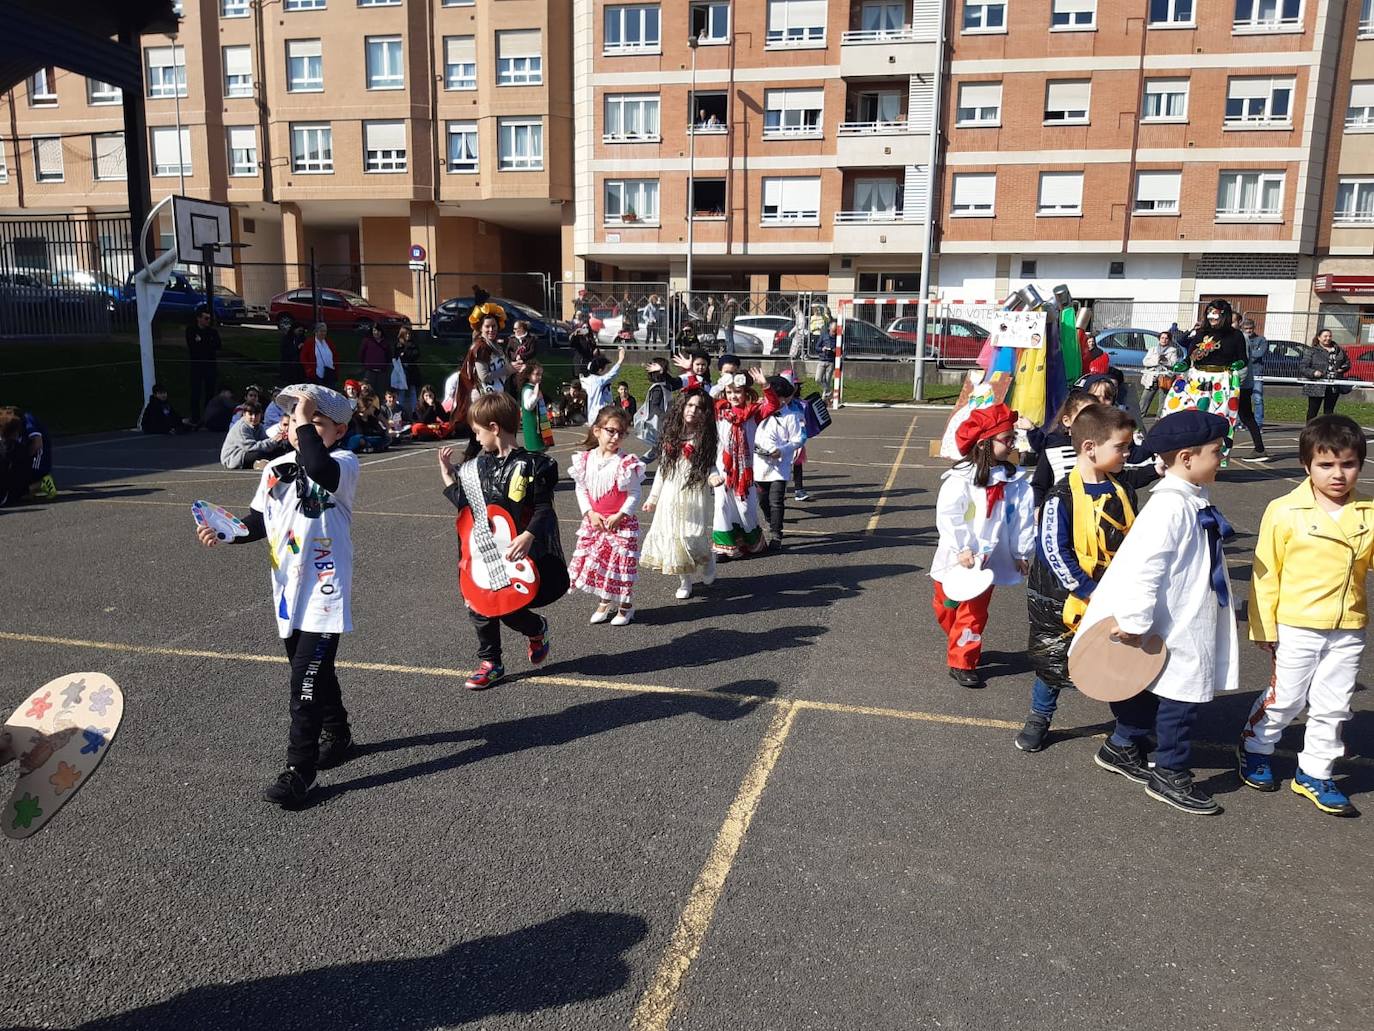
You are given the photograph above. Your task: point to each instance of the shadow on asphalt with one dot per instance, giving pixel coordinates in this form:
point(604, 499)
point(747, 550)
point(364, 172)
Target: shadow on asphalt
point(548, 731)
point(559, 962)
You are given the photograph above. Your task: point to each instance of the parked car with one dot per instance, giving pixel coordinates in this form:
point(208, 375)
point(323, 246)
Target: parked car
point(1361, 361)
point(86, 282)
point(743, 343)
point(952, 342)
point(865, 340)
point(1284, 358)
point(185, 293)
point(449, 321)
point(339, 309)
point(773, 332)
point(1126, 347)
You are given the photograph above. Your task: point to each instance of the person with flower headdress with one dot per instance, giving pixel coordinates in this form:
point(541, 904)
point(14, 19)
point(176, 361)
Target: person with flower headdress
point(985, 515)
point(486, 366)
point(735, 529)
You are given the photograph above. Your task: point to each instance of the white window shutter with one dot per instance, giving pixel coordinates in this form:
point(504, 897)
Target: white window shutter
point(460, 49)
point(109, 156)
point(920, 105)
point(1061, 189)
point(385, 135)
point(1362, 94)
point(1157, 186)
point(1068, 96)
point(304, 48)
point(519, 43)
point(238, 61)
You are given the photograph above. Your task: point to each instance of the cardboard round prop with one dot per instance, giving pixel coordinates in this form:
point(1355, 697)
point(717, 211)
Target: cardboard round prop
point(1107, 670)
point(963, 584)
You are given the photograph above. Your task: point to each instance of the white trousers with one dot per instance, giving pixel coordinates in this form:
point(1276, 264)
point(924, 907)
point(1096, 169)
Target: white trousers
point(1316, 668)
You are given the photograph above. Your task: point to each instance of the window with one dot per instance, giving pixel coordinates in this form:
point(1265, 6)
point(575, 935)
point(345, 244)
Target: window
point(233, 8)
point(1156, 193)
point(1166, 13)
point(462, 146)
point(791, 200)
point(632, 29)
point(883, 17)
point(4, 168)
point(305, 5)
point(630, 200)
point(1259, 101)
point(1166, 100)
point(793, 112)
point(1061, 193)
point(1359, 115)
point(384, 146)
point(1073, 14)
point(878, 197)
point(100, 93)
point(1355, 202)
point(379, 3)
point(109, 156)
point(312, 149)
point(238, 71)
point(631, 116)
point(711, 21)
point(1029, 268)
point(42, 89)
point(304, 66)
point(878, 107)
point(520, 143)
point(518, 60)
point(1267, 14)
point(985, 16)
point(171, 151)
point(460, 62)
point(166, 71)
point(385, 63)
point(974, 193)
point(1066, 103)
point(243, 150)
point(1366, 19)
point(708, 198)
point(1116, 270)
point(706, 112)
point(459, 3)
point(980, 103)
point(1250, 195)
point(792, 22)
point(47, 159)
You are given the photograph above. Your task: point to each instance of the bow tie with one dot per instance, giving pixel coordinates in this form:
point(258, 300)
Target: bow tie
point(1218, 530)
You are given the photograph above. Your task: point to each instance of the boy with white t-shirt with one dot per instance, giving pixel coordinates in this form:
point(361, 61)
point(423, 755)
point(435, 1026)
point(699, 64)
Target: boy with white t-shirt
point(304, 508)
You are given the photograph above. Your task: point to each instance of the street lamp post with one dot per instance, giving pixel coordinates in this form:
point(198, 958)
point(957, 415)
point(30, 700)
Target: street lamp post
point(692, 42)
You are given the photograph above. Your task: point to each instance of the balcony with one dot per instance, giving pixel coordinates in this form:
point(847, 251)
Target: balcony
point(880, 144)
point(906, 49)
point(867, 232)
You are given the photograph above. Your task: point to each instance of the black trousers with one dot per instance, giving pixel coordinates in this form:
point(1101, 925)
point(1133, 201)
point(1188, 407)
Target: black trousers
point(1248, 420)
point(772, 500)
point(525, 622)
point(316, 698)
point(651, 333)
point(1326, 404)
point(204, 379)
point(1171, 721)
point(798, 478)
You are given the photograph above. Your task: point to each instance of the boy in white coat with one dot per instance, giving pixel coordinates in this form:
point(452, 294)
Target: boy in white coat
point(776, 443)
point(1169, 578)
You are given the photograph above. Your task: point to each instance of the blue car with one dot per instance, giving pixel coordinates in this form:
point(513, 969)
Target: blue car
point(1127, 347)
point(186, 292)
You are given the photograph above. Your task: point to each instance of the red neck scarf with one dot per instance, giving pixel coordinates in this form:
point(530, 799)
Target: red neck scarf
point(739, 465)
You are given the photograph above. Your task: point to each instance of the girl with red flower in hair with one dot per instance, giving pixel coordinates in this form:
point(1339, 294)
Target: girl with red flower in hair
point(735, 530)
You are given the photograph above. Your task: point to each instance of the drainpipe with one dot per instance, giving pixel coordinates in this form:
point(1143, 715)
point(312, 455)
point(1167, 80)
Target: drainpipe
point(264, 127)
point(1135, 134)
point(928, 235)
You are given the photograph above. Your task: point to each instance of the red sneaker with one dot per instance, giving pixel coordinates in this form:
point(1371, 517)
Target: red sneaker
point(485, 675)
point(539, 646)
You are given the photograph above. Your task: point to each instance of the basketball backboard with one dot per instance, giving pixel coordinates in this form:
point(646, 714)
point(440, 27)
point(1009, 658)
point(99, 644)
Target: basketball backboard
point(202, 222)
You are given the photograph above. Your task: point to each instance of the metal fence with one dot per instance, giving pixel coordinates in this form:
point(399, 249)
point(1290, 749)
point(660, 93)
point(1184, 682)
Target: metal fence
point(529, 289)
point(63, 276)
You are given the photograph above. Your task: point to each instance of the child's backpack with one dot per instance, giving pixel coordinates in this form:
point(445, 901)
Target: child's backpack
point(817, 415)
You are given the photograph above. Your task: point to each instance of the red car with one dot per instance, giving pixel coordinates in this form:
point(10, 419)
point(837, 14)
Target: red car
point(952, 341)
point(1361, 361)
point(339, 309)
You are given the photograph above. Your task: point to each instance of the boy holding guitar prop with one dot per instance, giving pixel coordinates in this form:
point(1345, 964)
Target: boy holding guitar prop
point(510, 556)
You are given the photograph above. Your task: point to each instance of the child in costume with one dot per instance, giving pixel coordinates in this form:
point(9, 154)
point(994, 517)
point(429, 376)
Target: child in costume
point(536, 431)
point(304, 509)
point(521, 483)
point(606, 560)
point(1083, 521)
point(679, 540)
point(735, 525)
point(597, 383)
point(1169, 578)
point(1307, 606)
point(776, 444)
point(1058, 454)
point(984, 514)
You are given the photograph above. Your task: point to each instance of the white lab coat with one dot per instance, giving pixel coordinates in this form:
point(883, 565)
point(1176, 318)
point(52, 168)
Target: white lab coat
point(961, 516)
point(1160, 582)
point(784, 431)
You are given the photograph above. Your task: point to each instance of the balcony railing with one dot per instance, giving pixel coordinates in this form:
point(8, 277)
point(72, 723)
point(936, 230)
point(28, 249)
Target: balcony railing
point(1250, 214)
point(1354, 218)
point(1366, 28)
point(897, 216)
point(906, 32)
point(875, 128)
point(707, 129)
point(1361, 122)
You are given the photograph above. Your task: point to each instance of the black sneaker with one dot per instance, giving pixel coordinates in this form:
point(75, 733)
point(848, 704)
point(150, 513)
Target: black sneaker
point(289, 790)
point(336, 747)
point(1176, 787)
point(965, 677)
point(1034, 734)
point(1126, 760)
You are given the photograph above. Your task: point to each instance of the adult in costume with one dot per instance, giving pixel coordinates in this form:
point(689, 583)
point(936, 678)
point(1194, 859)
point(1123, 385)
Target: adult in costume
point(485, 367)
point(1217, 356)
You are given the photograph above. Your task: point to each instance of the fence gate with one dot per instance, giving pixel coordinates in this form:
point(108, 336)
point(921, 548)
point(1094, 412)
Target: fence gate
point(612, 306)
point(64, 276)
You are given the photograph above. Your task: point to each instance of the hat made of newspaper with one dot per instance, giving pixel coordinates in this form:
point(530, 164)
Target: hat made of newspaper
point(329, 403)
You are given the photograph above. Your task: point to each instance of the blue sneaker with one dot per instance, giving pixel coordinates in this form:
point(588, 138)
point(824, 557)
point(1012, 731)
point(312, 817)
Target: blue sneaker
point(1255, 771)
point(1324, 795)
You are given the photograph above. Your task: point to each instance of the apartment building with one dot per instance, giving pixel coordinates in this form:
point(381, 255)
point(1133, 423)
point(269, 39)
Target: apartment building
point(350, 128)
point(785, 144)
point(1157, 150)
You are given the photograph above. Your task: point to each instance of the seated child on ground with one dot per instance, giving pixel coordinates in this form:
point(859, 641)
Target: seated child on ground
point(159, 416)
point(218, 411)
point(247, 441)
point(431, 422)
point(366, 431)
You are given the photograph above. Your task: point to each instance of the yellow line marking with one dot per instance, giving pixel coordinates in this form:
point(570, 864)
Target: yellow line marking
point(659, 1000)
point(891, 478)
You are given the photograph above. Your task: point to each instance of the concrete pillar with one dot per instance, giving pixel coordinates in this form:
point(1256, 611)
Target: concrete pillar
point(295, 254)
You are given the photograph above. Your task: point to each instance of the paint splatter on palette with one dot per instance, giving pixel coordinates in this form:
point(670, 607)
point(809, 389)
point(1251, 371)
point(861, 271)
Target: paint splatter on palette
point(59, 734)
point(224, 523)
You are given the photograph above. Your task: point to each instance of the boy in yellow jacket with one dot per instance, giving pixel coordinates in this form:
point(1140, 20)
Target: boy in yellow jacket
point(1307, 606)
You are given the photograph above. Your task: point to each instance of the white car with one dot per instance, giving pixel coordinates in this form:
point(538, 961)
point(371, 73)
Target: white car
point(765, 329)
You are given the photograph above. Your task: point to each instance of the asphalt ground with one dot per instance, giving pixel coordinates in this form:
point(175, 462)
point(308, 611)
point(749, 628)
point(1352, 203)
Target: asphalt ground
point(766, 807)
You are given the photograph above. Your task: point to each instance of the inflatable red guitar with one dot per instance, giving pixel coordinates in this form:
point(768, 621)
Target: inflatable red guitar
point(492, 584)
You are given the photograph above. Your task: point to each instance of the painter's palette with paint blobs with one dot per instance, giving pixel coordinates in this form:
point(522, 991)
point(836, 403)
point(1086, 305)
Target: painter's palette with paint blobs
point(59, 734)
point(225, 524)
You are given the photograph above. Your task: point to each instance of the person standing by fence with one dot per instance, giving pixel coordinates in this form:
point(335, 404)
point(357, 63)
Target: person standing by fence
point(375, 357)
point(1322, 363)
point(1256, 345)
point(202, 346)
point(653, 317)
point(408, 354)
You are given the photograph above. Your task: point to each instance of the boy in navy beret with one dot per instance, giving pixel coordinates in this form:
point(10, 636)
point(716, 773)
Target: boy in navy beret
point(1169, 578)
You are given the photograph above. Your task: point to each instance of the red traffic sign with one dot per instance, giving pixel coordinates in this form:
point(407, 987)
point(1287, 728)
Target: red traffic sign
point(417, 253)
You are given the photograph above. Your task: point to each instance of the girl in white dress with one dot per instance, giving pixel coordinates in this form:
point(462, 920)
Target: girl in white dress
point(679, 541)
point(735, 530)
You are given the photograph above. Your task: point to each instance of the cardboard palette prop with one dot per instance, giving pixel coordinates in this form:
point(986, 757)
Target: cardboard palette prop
point(1108, 670)
point(963, 584)
point(224, 523)
point(59, 735)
